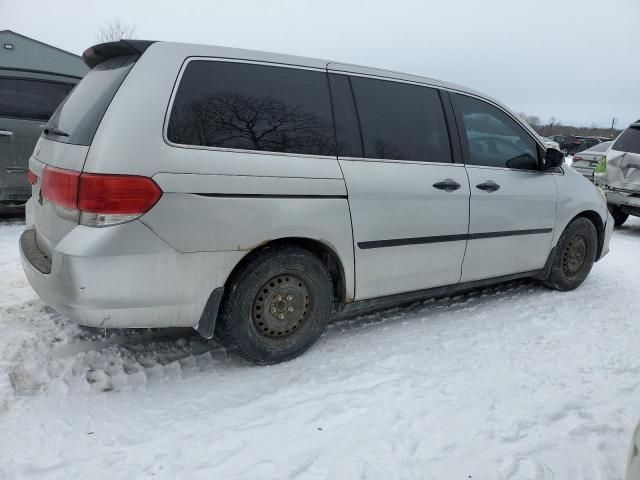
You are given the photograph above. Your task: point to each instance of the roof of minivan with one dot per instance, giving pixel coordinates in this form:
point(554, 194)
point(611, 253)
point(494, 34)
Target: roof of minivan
point(121, 47)
point(184, 50)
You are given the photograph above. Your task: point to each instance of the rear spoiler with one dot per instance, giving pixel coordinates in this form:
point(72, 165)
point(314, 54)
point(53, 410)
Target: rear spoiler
point(97, 54)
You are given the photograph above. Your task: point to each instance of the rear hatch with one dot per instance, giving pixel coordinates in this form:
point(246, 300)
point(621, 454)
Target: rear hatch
point(59, 156)
point(622, 164)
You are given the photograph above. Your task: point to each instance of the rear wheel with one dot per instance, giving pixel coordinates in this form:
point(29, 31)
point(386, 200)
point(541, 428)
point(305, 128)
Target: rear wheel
point(619, 217)
point(277, 305)
point(574, 255)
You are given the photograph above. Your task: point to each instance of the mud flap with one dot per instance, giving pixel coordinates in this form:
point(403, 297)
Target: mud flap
point(546, 271)
point(207, 322)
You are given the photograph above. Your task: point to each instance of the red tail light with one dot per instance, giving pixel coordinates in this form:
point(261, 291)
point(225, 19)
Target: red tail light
point(576, 158)
point(60, 186)
point(123, 196)
point(117, 194)
point(33, 178)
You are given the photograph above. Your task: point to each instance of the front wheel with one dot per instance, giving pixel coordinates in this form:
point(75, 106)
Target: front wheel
point(619, 217)
point(277, 305)
point(574, 255)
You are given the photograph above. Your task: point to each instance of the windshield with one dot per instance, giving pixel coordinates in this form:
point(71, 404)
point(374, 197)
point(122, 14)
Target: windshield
point(77, 118)
point(628, 141)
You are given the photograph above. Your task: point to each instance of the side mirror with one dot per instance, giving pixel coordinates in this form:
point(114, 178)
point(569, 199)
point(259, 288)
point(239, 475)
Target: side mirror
point(553, 158)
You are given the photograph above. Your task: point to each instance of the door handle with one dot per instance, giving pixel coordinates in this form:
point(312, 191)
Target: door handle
point(448, 185)
point(488, 186)
point(5, 133)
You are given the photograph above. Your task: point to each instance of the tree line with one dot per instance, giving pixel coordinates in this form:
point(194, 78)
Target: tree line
point(555, 127)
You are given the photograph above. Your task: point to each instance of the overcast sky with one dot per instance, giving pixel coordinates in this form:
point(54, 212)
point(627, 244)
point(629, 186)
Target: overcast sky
point(575, 60)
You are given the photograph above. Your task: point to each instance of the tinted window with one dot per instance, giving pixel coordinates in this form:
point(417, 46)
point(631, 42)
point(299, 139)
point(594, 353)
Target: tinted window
point(82, 111)
point(628, 141)
point(348, 140)
point(493, 138)
point(401, 121)
point(254, 107)
point(30, 99)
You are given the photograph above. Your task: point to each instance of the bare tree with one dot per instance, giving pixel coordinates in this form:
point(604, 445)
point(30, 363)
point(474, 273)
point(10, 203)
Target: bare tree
point(245, 121)
point(555, 127)
point(116, 30)
point(532, 120)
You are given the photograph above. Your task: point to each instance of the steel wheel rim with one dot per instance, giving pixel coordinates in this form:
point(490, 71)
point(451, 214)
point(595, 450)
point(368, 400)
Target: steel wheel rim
point(281, 305)
point(574, 257)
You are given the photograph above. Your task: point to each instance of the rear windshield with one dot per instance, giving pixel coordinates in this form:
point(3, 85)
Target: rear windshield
point(601, 147)
point(81, 112)
point(628, 141)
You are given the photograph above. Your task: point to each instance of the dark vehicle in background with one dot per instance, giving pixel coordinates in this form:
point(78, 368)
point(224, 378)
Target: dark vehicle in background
point(34, 79)
point(586, 161)
point(27, 101)
point(572, 144)
point(568, 143)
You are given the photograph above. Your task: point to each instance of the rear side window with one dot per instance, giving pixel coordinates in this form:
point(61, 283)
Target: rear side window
point(401, 121)
point(493, 138)
point(82, 111)
point(252, 107)
point(628, 141)
point(30, 99)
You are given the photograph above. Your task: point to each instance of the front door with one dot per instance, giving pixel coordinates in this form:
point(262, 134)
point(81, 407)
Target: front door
point(513, 202)
point(409, 202)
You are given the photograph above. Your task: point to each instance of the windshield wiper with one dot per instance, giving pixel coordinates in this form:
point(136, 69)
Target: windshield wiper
point(55, 131)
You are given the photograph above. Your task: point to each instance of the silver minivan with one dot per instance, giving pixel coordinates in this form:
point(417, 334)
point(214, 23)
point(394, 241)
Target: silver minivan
point(256, 195)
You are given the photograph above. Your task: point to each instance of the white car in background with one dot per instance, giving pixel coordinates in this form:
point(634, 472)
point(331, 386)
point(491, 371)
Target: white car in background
point(587, 160)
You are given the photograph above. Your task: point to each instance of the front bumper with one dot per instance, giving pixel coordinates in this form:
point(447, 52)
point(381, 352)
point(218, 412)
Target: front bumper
point(615, 197)
point(124, 276)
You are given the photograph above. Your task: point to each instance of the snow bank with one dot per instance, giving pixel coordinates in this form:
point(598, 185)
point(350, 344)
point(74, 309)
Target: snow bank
point(511, 382)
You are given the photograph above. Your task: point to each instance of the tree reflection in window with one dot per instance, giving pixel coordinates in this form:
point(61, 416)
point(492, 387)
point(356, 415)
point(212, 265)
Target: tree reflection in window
point(231, 120)
point(253, 107)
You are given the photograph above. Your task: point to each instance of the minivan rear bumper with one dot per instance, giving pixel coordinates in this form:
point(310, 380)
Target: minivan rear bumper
point(124, 276)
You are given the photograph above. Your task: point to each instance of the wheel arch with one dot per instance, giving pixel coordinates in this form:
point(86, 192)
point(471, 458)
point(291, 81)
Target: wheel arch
point(326, 253)
point(595, 218)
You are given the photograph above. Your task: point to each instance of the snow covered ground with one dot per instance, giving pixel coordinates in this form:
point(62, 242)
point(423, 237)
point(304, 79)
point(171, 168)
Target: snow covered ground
point(513, 382)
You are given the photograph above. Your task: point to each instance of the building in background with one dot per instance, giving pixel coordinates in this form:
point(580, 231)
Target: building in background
point(34, 79)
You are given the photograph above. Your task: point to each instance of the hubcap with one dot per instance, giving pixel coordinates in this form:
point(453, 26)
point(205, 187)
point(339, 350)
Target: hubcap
point(280, 306)
point(575, 255)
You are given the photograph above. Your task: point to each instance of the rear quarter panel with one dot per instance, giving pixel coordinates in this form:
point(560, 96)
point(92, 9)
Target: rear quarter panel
point(215, 199)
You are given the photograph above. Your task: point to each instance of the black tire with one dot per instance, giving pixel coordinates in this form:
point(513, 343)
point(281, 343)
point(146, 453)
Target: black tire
point(619, 217)
point(574, 255)
point(276, 306)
